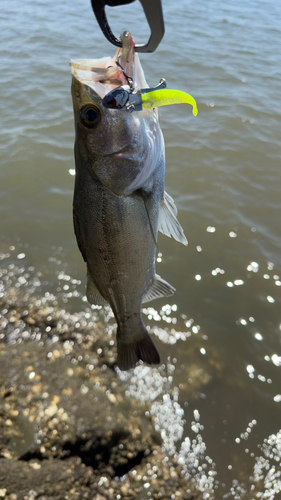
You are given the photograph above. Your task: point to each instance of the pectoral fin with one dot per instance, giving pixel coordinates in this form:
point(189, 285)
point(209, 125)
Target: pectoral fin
point(143, 195)
point(92, 293)
point(168, 222)
point(160, 288)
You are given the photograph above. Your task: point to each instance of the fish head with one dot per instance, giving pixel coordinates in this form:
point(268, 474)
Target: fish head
point(120, 147)
point(99, 132)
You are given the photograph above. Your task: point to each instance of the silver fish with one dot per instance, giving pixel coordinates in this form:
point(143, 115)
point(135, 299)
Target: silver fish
point(119, 200)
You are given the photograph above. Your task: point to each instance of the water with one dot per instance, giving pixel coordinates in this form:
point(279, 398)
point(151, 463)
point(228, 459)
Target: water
point(219, 336)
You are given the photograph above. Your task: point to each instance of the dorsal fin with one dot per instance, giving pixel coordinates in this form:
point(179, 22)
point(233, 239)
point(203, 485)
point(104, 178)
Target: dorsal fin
point(168, 223)
point(159, 288)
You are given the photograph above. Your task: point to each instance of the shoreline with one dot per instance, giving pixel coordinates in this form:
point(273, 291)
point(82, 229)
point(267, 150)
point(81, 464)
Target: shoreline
point(68, 430)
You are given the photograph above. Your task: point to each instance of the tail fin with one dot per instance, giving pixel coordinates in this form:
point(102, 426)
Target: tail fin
point(129, 353)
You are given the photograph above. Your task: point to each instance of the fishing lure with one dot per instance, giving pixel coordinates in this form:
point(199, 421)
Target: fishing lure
point(126, 98)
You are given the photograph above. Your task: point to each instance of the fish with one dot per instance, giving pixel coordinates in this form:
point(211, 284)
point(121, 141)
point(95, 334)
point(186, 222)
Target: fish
point(120, 202)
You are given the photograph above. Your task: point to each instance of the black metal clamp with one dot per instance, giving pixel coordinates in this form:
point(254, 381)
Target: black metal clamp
point(154, 16)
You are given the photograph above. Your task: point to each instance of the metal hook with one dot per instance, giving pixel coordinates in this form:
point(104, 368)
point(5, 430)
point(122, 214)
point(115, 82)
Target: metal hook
point(154, 16)
point(128, 78)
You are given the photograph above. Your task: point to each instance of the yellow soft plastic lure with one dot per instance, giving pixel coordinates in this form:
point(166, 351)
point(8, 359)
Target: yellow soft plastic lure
point(165, 97)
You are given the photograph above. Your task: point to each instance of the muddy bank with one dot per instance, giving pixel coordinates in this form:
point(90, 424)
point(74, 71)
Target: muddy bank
point(67, 429)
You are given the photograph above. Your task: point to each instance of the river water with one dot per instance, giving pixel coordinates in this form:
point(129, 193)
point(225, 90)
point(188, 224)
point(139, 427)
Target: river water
point(217, 395)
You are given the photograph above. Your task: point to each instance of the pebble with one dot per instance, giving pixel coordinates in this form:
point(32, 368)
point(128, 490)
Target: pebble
point(35, 465)
point(14, 413)
point(111, 398)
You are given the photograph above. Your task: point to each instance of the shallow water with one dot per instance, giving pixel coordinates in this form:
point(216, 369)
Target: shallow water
point(219, 336)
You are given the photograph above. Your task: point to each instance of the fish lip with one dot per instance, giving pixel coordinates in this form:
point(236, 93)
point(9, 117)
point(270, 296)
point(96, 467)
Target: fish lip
point(121, 151)
point(127, 151)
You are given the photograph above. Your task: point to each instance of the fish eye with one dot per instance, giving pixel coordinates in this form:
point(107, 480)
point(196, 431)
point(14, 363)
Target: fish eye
point(91, 116)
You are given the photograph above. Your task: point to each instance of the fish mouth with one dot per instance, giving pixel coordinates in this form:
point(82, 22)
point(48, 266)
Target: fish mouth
point(105, 74)
point(120, 152)
point(129, 151)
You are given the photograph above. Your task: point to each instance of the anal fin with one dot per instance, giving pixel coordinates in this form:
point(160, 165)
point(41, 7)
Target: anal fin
point(92, 293)
point(159, 288)
point(168, 222)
